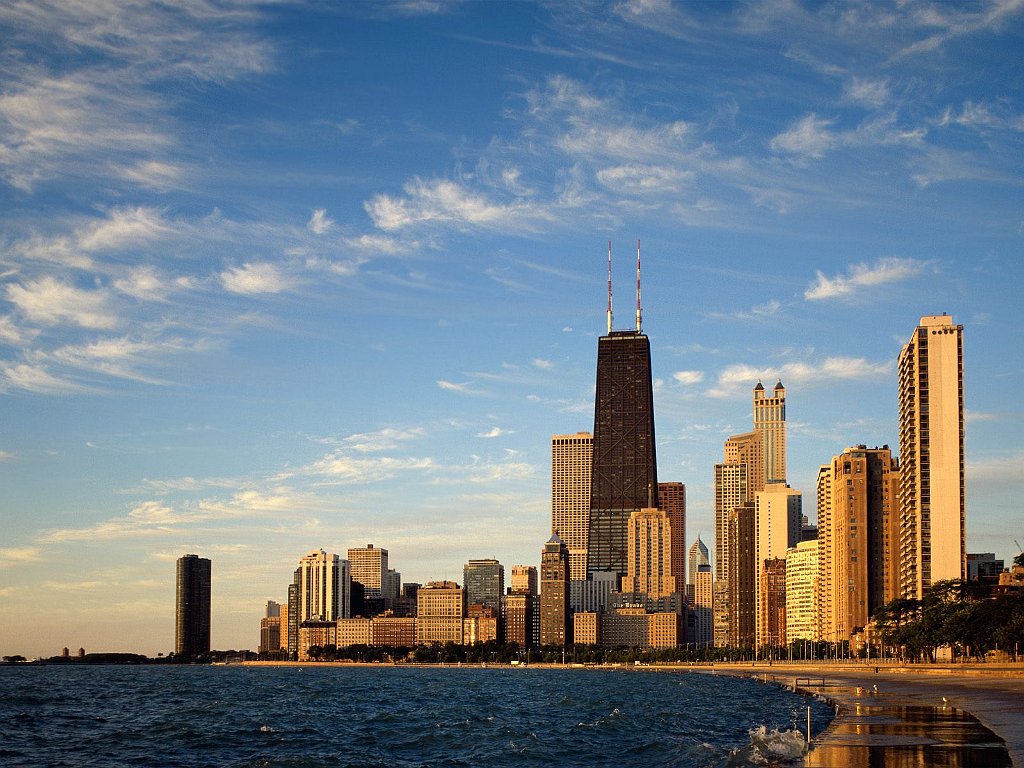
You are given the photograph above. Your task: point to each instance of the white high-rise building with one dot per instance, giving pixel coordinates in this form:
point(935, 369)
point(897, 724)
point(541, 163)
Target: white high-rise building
point(324, 587)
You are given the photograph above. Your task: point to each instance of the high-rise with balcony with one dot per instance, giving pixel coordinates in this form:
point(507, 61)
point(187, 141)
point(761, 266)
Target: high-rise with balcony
point(192, 630)
point(931, 437)
point(624, 465)
point(324, 587)
point(857, 531)
point(571, 469)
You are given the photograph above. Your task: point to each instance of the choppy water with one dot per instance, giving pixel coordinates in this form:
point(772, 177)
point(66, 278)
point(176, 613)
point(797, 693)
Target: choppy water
point(391, 716)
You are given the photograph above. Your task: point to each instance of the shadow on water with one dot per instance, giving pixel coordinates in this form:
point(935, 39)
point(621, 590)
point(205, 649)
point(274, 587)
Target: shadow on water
point(877, 735)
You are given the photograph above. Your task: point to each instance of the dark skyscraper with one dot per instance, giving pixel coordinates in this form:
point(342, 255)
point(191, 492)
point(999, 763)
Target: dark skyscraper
point(193, 607)
point(624, 476)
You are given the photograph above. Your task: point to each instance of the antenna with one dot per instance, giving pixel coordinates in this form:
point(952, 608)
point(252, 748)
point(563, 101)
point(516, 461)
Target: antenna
point(638, 316)
point(609, 286)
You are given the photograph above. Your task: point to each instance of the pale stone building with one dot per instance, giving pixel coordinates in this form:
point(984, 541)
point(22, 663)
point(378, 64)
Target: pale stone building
point(440, 609)
point(571, 470)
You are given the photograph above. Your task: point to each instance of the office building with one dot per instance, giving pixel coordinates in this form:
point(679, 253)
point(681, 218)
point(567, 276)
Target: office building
point(778, 511)
point(931, 436)
point(802, 593)
point(649, 558)
point(369, 566)
point(770, 423)
point(624, 463)
point(192, 614)
point(571, 469)
point(771, 595)
point(270, 629)
point(698, 557)
point(484, 583)
point(440, 609)
point(700, 627)
point(519, 619)
point(743, 576)
point(524, 578)
point(555, 628)
point(672, 500)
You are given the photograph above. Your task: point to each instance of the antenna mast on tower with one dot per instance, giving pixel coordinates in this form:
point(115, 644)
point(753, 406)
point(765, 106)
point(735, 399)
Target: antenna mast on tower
point(638, 315)
point(609, 286)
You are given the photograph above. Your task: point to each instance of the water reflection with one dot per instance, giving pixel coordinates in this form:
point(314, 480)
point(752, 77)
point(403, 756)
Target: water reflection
point(866, 736)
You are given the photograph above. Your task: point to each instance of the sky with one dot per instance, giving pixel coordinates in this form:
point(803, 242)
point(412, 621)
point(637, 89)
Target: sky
point(283, 276)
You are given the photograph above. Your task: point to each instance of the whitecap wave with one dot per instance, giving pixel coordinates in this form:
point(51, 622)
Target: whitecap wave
point(770, 747)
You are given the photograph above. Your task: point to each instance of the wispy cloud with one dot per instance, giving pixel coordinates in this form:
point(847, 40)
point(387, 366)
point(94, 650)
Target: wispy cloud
point(36, 379)
point(807, 137)
point(440, 201)
point(736, 379)
point(860, 276)
point(12, 556)
point(997, 470)
point(688, 377)
point(255, 278)
point(49, 301)
point(494, 432)
point(463, 388)
point(319, 223)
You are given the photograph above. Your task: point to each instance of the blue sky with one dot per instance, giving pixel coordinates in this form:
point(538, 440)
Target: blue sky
point(283, 276)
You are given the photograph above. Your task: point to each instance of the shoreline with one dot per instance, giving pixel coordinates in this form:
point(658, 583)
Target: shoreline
point(992, 693)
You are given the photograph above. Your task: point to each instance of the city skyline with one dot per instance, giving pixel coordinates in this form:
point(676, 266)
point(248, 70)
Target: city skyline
point(277, 279)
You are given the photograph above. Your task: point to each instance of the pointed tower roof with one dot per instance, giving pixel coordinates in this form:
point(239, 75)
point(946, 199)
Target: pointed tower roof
point(759, 386)
point(778, 385)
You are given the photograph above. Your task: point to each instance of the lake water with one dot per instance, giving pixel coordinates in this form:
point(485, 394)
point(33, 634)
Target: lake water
point(77, 715)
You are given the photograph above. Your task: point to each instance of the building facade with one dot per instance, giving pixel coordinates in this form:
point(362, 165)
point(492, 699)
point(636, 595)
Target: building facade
point(649, 559)
point(700, 628)
point(555, 627)
point(440, 609)
point(778, 513)
point(324, 587)
point(369, 565)
point(672, 501)
point(572, 463)
point(484, 583)
point(931, 440)
point(624, 464)
point(192, 608)
point(770, 423)
point(802, 593)
point(859, 538)
point(524, 578)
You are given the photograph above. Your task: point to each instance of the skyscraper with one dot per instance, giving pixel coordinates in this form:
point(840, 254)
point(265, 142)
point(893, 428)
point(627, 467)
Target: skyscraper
point(778, 511)
point(802, 593)
point(743, 576)
point(700, 629)
point(192, 625)
point(624, 465)
point(484, 582)
point(672, 499)
point(369, 566)
point(698, 557)
point(931, 434)
point(737, 479)
point(554, 593)
point(649, 564)
point(324, 592)
point(858, 536)
point(571, 469)
point(770, 422)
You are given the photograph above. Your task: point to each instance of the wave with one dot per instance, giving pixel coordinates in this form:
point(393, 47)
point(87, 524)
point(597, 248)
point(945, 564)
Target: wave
point(769, 746)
